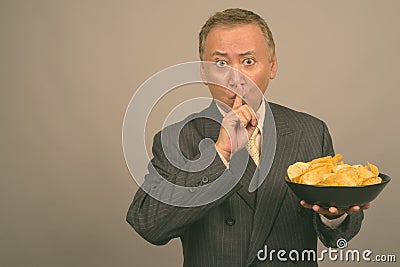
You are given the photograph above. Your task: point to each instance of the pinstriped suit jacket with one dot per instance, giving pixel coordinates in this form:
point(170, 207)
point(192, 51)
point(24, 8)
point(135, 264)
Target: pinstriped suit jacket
point(231, 230)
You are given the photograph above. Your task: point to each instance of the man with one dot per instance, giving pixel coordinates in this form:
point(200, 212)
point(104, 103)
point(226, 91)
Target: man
point(233, 230)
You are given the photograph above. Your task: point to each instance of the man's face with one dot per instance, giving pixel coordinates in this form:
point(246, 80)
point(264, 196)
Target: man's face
point(243, 48)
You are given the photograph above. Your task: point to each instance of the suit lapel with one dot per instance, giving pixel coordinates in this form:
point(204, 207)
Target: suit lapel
point(272, 191)
point(212, 122)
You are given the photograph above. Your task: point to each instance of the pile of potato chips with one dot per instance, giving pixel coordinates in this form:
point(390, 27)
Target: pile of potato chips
point(327, 171)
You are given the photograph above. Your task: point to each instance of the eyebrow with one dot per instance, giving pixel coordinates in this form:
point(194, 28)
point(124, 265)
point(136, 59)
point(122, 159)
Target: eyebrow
point(250, 52)
point(219, 53)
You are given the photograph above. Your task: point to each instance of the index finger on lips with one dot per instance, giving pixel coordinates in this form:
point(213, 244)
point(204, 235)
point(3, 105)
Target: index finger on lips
point(238, 102)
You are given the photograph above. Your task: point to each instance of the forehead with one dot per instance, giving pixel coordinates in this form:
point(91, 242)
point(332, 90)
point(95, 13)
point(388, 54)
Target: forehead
point(235, 38)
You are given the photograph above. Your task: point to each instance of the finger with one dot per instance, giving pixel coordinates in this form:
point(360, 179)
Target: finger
point(254, 121)
point(316, 208)
point(248, 117)
point(353, 210)
point(240, 118)
point(244, 116)
point(366, 206)
point(237, 103)
point(253, 117)
point(333, 210)
point(305, 204)
point(250, 110)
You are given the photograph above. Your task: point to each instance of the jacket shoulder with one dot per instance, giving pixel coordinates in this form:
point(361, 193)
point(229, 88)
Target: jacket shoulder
point(295, 119)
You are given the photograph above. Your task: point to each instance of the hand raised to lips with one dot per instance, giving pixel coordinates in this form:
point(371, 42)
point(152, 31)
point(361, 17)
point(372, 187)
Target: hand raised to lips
point(237, 127)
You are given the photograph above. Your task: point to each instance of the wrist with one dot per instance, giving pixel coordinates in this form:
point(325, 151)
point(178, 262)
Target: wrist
point(224, 153)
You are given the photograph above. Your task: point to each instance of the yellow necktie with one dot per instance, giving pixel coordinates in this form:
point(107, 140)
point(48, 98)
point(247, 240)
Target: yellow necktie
point(252, 147)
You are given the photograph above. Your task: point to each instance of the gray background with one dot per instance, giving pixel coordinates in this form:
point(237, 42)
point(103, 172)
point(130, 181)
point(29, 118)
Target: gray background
point(69, 68)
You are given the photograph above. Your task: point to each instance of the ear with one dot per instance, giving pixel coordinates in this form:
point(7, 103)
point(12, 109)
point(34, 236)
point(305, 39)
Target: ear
point(274, 67)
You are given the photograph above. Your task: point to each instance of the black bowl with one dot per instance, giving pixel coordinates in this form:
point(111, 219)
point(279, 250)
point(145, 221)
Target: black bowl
point(338, 196)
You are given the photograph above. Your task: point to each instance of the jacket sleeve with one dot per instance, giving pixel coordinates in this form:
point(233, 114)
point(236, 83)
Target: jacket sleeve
point(158, 222)
point(351, 225)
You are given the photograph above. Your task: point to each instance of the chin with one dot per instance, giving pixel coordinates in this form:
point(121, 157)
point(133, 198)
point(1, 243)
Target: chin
point(225, 105)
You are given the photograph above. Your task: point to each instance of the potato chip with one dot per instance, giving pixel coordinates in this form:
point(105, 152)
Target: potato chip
point(337, 168)
point(330, 179)
point(327, 165)
point(375, 180)
point(363, 172)
point(327, 159)
point(316, 175)
point(336, 158)
point(296, 170)
point(349, 176)
point(338, 179)
point(373, 168)
point(326, 171)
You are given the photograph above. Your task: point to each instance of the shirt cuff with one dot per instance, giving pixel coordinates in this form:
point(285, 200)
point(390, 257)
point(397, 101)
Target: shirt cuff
point(223, 159)
point(334, 223)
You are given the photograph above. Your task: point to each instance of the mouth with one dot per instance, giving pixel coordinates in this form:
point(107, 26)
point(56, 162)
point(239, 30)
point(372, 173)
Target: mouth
point(243, 97)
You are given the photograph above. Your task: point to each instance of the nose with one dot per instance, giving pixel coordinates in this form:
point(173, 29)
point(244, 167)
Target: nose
point(236, 81)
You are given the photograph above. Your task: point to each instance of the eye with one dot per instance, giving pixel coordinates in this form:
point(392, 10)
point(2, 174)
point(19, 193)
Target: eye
point(249, 61)
point(221, 63)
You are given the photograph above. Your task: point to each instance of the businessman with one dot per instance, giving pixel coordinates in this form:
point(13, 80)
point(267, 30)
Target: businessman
point(233, 230)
